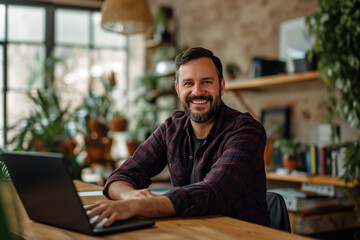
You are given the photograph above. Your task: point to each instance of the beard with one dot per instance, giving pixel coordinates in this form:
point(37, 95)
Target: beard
point(202, 118)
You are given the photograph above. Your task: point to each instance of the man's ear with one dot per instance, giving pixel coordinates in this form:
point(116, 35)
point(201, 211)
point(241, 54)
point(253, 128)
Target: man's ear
point(222, 86)
point(177, 88)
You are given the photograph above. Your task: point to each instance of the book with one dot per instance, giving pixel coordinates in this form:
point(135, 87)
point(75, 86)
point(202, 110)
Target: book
point(313, 157)
point(294, 192)
point(298, 199)
point(297, 204)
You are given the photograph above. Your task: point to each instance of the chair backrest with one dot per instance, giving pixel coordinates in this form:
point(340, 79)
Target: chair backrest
point(279, 217)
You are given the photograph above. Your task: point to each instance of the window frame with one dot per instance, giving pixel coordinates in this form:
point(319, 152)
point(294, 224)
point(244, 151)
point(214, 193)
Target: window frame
point(49, 42)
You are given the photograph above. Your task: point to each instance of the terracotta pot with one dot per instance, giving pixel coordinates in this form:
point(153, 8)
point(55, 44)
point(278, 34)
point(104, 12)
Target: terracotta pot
point(98, 127)
point(289, 163)
point(98, 149)
point(132, 146)
point(118, 124)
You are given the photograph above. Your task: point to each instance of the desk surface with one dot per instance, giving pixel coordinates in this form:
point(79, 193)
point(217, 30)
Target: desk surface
point(216, 227)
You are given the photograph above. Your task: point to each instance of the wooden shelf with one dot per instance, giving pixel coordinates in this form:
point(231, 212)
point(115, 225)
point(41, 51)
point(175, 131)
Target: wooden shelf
point(272, 81)
point(318, 179)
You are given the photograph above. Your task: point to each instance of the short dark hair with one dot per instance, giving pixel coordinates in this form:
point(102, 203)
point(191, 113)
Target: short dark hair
point(195, 53)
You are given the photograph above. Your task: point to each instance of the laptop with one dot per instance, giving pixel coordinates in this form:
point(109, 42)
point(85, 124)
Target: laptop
point(44, 185)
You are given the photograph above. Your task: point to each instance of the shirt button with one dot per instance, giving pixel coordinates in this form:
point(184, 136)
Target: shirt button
point(170, 165)
point(190, 157)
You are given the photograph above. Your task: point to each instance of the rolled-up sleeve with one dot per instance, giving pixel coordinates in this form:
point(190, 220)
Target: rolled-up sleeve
point(148, 161)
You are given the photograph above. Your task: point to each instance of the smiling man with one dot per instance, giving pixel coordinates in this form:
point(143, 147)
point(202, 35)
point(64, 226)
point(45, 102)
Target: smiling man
point(214, 155)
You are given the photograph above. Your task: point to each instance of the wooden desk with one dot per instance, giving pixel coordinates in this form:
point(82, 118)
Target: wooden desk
point(216, 227)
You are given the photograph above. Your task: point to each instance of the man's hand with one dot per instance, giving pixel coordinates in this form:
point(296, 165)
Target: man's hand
point(113, 210)
point(152, 207)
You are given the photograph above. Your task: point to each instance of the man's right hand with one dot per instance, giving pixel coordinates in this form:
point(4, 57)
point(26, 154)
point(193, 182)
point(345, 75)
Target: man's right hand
point(123, 191)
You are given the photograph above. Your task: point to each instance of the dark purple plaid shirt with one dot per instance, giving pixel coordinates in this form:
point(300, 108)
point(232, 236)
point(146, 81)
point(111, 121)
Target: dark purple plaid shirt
point(225, 176)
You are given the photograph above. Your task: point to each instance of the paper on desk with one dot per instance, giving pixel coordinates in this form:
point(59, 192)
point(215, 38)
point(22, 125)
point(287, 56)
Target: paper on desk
point(90, 193)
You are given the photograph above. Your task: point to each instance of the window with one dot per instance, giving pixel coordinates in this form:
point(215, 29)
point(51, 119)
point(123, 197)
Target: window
point(34, 36)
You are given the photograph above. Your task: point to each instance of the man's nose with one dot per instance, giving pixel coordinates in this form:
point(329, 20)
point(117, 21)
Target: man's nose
point(198, 90)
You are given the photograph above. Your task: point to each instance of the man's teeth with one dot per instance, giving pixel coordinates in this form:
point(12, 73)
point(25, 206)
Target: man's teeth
point(199, 101)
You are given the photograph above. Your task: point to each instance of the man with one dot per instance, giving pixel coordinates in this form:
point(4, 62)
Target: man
point(214, 155)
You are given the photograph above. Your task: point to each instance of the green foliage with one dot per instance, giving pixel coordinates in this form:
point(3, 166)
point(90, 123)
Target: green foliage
point(289, 147)
point(97, 105)
point(47, 126)
point(336, 28)
point(352, 174)
point(232, 69)
point(4, 174)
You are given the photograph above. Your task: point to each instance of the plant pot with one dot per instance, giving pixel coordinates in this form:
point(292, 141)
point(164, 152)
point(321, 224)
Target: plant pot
point(98, 127)
point(132, 145)
point(98, 149)
point(289, 163)
point(118, 124)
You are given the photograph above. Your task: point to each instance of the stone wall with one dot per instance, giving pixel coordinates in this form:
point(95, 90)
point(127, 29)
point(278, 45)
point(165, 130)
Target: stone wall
point(239, 30)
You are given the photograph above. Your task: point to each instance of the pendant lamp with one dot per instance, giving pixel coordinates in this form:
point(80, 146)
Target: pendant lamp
point(126, 16)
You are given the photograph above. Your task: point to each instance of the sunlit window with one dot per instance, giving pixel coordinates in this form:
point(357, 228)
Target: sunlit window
point(26, 24)
point(81, 52)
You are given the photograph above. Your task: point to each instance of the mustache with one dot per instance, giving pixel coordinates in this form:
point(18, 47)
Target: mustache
point(191, 98)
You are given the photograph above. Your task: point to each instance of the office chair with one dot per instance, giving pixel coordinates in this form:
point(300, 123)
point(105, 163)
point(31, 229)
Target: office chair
point(279, 217)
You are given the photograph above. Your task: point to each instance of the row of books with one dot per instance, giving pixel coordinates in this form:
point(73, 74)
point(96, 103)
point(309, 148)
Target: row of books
point(324, 159)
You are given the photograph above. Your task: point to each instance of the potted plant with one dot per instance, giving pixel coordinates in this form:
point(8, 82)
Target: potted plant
point(118, 123)
point(335, 26)
point(232, 70)
point(291, 150)
point(93, 118)
point(48, 128)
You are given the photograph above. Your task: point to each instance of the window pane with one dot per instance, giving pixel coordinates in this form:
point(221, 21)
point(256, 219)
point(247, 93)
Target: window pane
point(26, 23)
point(1, 68)
point(25, 66)
point(72, 73)
point(108, 61)
point(72, 27)
point(1, 119)
point(2, 22)
point(19, 106)
point(104, 38)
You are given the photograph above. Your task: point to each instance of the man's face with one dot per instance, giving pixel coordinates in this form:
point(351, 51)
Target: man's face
point(199, 89)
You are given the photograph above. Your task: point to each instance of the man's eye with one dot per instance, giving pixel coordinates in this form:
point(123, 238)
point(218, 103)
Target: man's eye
point(187, 84)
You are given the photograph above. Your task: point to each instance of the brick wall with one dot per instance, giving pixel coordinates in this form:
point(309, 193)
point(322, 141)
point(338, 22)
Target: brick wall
point(238, 30)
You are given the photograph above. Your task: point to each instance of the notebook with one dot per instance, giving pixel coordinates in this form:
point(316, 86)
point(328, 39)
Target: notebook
point(44, 185)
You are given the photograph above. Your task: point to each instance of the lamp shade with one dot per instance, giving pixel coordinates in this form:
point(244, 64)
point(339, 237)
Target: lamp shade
point(126, 16)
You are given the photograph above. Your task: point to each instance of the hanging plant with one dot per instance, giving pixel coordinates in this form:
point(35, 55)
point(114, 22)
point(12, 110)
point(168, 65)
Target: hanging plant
point(336, 28)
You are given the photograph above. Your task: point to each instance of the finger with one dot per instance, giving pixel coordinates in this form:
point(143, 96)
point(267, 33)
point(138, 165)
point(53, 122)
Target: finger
point(110, 221)
point(103, 214)
point(89, 207)
point(94, 212)
point(156, 194)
